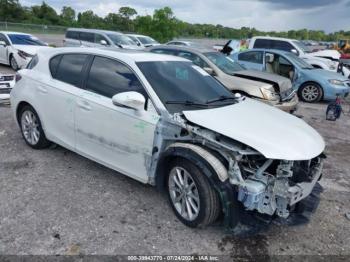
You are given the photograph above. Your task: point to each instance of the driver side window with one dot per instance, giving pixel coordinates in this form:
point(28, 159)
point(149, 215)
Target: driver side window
point(108, 77)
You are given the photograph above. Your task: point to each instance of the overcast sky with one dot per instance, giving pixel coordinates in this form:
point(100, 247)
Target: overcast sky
point(328, 15)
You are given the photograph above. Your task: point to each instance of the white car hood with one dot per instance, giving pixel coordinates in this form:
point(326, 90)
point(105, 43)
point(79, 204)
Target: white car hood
point(30, 49)
point(326, 53)
point(272, 132)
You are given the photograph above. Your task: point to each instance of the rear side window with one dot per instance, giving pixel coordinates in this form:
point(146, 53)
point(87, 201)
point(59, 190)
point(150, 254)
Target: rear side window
point(263, 43)
point(108, 77)
point(54, 62)
point(252, 57)
point(33, 62)
point(69, 68)
point(72, 35)
point(88, 37)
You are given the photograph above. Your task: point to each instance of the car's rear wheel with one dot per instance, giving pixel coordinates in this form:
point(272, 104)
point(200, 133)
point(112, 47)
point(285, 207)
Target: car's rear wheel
point(310, 92)
point(31, 128)
point(13, 63)
point(192, 197)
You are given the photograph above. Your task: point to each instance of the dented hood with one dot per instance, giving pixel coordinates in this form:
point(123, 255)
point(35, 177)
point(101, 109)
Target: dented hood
point(272, 132)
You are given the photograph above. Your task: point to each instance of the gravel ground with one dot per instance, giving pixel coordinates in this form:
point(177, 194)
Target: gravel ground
point(56, 202)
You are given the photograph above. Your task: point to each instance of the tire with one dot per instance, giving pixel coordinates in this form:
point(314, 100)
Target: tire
point(13, 63)
point(31, 128)
point(198, 193)
point(310, 92)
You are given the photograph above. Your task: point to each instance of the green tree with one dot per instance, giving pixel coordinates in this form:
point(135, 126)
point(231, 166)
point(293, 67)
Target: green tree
point(45, 14)
point(11, 10)
point(127, 12)
point(67, 15)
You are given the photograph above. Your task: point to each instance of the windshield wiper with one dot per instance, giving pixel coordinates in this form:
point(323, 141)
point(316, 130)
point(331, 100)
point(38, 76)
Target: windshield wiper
point(186, 103)
point(221, 98)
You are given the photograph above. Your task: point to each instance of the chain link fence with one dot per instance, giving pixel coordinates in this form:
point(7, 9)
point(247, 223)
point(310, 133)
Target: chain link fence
point(32, 28)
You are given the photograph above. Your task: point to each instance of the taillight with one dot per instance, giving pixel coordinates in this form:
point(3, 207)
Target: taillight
point(18, 77)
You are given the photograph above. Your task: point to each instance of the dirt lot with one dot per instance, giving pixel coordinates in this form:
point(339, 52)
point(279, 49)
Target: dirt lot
point(57, 202)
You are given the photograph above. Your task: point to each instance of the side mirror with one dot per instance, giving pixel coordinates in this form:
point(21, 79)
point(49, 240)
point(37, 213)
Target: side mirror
point(131, 100)
point(103, 42)
point(294, 51)
point(209, 70)
point(3, 43)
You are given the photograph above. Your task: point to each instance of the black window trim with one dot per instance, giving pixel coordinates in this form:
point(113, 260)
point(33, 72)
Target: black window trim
point(88, 68)
point(82, 72)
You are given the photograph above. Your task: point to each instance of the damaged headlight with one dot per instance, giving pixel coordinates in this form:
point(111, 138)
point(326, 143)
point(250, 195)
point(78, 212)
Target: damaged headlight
point(269, 94)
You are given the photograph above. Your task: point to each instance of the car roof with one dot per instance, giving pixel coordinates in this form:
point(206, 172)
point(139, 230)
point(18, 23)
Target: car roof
point(94, 31)
point(199, 50)
point(273, 38)
point(122, 54)
point(13, 32)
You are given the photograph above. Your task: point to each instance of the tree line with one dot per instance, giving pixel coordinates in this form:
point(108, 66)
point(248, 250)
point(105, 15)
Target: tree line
point(162, 25)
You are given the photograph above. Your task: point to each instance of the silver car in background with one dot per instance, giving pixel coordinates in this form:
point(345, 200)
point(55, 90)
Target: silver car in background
point(143, 41)
point(79, 37)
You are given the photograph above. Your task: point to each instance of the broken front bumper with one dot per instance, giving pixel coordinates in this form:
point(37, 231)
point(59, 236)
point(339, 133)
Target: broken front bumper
point(303, 189)
point(289, 105)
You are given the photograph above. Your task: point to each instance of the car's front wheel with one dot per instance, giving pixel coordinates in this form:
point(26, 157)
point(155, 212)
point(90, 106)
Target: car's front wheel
point(31, 128)
point(13, 63)
point(191, 195)
point(310, 92)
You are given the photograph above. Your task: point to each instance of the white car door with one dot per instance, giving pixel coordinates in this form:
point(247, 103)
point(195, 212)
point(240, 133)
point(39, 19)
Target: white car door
point(117, 137)
point(58, 97)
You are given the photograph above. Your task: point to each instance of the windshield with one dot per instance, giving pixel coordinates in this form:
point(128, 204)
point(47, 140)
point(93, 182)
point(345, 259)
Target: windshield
point(180, 81)
point(147, 40)
point(298, 61)
point(226, 64)
point(302, 46)
point(121, 39)
point(18, 39)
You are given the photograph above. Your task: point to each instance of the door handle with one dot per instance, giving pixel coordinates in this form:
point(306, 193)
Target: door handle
point(84, 105)
point(42, 89)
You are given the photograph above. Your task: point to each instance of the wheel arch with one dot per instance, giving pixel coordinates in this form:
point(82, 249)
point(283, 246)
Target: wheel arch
point(24, 103)
point(196, 154)
point(19, 107)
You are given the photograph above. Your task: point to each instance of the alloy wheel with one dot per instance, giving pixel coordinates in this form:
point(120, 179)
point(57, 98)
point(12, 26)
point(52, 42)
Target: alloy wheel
point(184, 193)
point(30, 127)
point(310, 93)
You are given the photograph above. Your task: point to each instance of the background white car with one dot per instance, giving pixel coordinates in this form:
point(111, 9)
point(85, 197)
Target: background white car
point(7, 81)
point(17, 49)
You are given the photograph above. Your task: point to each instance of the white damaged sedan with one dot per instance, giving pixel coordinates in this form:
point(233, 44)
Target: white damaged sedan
point(164, 121)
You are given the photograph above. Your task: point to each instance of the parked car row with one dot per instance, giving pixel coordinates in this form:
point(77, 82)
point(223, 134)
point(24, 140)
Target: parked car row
point(173, 118)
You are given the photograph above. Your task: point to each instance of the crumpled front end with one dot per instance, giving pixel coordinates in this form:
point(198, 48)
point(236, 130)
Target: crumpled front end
point(273, 187)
